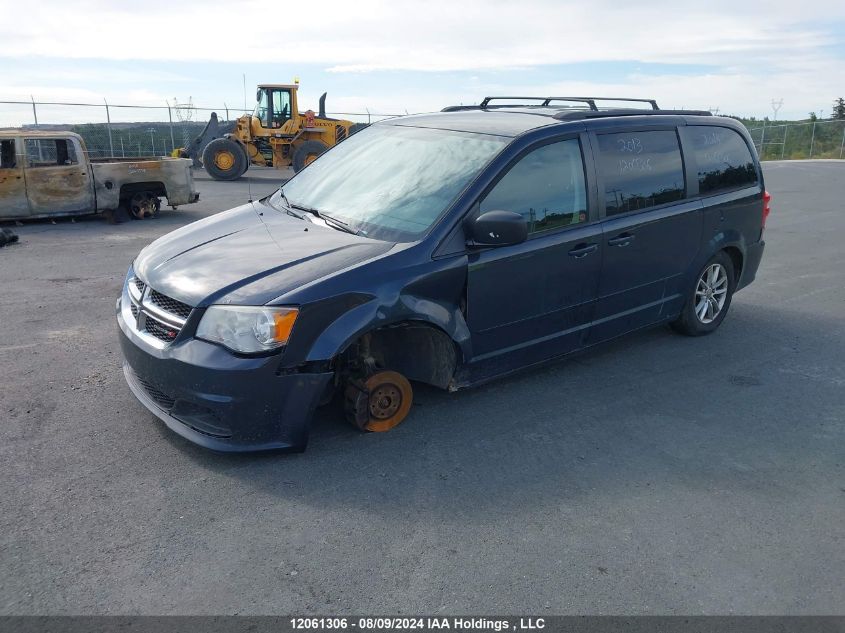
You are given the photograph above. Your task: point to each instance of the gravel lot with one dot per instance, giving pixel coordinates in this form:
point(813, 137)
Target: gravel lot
point(657, 474)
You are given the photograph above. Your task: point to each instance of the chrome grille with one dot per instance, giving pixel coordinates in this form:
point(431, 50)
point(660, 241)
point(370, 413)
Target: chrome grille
point(161, 331)
point(170, 305)
point(156, 315)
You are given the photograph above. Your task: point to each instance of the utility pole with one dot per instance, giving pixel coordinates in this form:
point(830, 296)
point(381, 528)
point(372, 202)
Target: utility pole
point(776, 106)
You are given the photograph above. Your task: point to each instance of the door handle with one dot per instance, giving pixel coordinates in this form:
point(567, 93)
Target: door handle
point(582, 250)
point(621, 240)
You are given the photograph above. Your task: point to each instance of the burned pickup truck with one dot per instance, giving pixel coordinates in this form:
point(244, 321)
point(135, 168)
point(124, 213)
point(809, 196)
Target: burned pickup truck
point(47, 174)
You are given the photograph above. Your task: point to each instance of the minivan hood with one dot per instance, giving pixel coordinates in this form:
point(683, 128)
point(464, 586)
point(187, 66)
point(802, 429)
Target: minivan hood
point(249, 255)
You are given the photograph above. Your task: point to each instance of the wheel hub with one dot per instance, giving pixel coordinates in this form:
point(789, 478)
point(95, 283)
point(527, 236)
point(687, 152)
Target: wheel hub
point(385, 401)
point(711, 292)
point(224, 160)
point(143, 205)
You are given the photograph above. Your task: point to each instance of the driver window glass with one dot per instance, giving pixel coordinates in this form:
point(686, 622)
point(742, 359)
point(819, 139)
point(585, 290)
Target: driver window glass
point(546, 187)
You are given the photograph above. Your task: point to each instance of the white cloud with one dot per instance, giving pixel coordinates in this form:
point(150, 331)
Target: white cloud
point(431, 35)
point(761, 50)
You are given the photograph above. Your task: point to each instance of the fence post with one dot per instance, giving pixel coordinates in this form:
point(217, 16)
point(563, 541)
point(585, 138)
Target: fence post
point(368, 115)
point(172, 138)
point(227, 110)
point(108, 126)
point(842, 145)
point(783, 149)
point(34, 111)
point(122, 151)
point(763, 142)
point(812, 139)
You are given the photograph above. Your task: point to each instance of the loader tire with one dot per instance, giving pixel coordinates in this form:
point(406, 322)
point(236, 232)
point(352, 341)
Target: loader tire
point(306, 153)
point(224, 159)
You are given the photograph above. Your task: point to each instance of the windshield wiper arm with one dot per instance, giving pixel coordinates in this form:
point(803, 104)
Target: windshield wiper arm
point(310, 210)
point(288, 206)
point(333, 222)
point(338, 224)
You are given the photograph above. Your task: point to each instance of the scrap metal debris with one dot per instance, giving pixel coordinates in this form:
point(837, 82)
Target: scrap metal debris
point(7, 237)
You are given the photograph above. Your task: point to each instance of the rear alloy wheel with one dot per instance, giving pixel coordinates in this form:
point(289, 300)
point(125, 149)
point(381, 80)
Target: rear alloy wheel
point(380, 403)
point(709, 299)
point(143, 205)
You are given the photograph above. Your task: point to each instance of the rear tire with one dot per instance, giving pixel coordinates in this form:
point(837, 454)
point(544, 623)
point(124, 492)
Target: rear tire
point(143, 205)
point(709, 297)
point(306, 153)
point(224, 159)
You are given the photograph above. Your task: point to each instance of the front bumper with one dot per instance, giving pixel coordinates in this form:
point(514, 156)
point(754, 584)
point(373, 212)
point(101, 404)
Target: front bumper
point(218, 400)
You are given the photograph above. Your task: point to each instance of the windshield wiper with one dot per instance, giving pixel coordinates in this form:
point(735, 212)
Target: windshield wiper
point(337, 224)
point(302, 207)
point(288, 206)
point(332, 222)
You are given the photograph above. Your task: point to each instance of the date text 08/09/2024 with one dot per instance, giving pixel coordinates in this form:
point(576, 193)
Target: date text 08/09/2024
point(419, 623)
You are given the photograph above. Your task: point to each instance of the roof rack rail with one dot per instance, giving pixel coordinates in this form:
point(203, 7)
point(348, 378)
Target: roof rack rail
point(590, 101)
point(591, 114)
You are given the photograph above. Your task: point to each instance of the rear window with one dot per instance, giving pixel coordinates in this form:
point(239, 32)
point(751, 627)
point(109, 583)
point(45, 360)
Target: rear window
point(723, 158)
point(640, 170)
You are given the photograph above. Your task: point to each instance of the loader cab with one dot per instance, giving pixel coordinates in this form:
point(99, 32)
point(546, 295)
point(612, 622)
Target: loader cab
point(275, 106)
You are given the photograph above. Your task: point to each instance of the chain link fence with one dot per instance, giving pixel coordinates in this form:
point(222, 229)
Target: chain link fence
point(132, 131)
point(127, 130)
point(795, 141)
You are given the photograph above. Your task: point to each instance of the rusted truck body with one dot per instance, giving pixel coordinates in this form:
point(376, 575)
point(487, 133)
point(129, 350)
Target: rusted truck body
point(47, 174)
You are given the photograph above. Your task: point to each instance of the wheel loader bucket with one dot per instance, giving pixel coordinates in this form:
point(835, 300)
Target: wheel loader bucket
point(212, 130)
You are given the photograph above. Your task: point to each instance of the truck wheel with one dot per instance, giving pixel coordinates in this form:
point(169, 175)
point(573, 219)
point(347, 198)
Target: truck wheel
point(306, 153)
point(143, 205)
point(224, 159)
point(380, 403)
point(709, 297)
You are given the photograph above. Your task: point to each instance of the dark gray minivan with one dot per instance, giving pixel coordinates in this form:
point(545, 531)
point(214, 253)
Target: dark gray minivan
point(448, 249)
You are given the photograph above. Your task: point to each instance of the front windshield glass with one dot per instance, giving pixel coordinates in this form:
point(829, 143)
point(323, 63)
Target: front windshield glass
point(391, 182)
point(262, 108)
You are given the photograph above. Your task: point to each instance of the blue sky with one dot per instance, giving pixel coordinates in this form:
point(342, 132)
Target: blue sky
point(393, 57)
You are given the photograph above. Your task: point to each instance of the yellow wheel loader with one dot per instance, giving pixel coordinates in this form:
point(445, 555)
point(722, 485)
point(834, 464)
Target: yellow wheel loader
point(276, 134)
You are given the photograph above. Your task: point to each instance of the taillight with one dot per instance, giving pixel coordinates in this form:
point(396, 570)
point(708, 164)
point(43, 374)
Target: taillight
point(767, 199)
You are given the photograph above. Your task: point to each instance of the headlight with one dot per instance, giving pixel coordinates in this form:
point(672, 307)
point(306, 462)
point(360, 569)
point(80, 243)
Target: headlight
point(247, 329)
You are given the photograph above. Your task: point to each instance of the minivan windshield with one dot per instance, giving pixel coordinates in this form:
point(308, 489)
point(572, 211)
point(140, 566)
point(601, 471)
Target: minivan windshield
point(390, 182)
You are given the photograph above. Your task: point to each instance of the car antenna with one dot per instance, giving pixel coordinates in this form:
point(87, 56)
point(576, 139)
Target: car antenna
point(248, 183)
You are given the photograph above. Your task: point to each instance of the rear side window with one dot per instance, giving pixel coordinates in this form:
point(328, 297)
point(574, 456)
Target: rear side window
point(723, 158)
point(7, 154)
point(50, 152)
point(640, 170)
point(546, 187)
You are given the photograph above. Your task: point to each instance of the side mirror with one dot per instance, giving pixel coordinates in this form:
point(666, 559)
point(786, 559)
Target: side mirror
point(498, 228)
point(258, 94)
